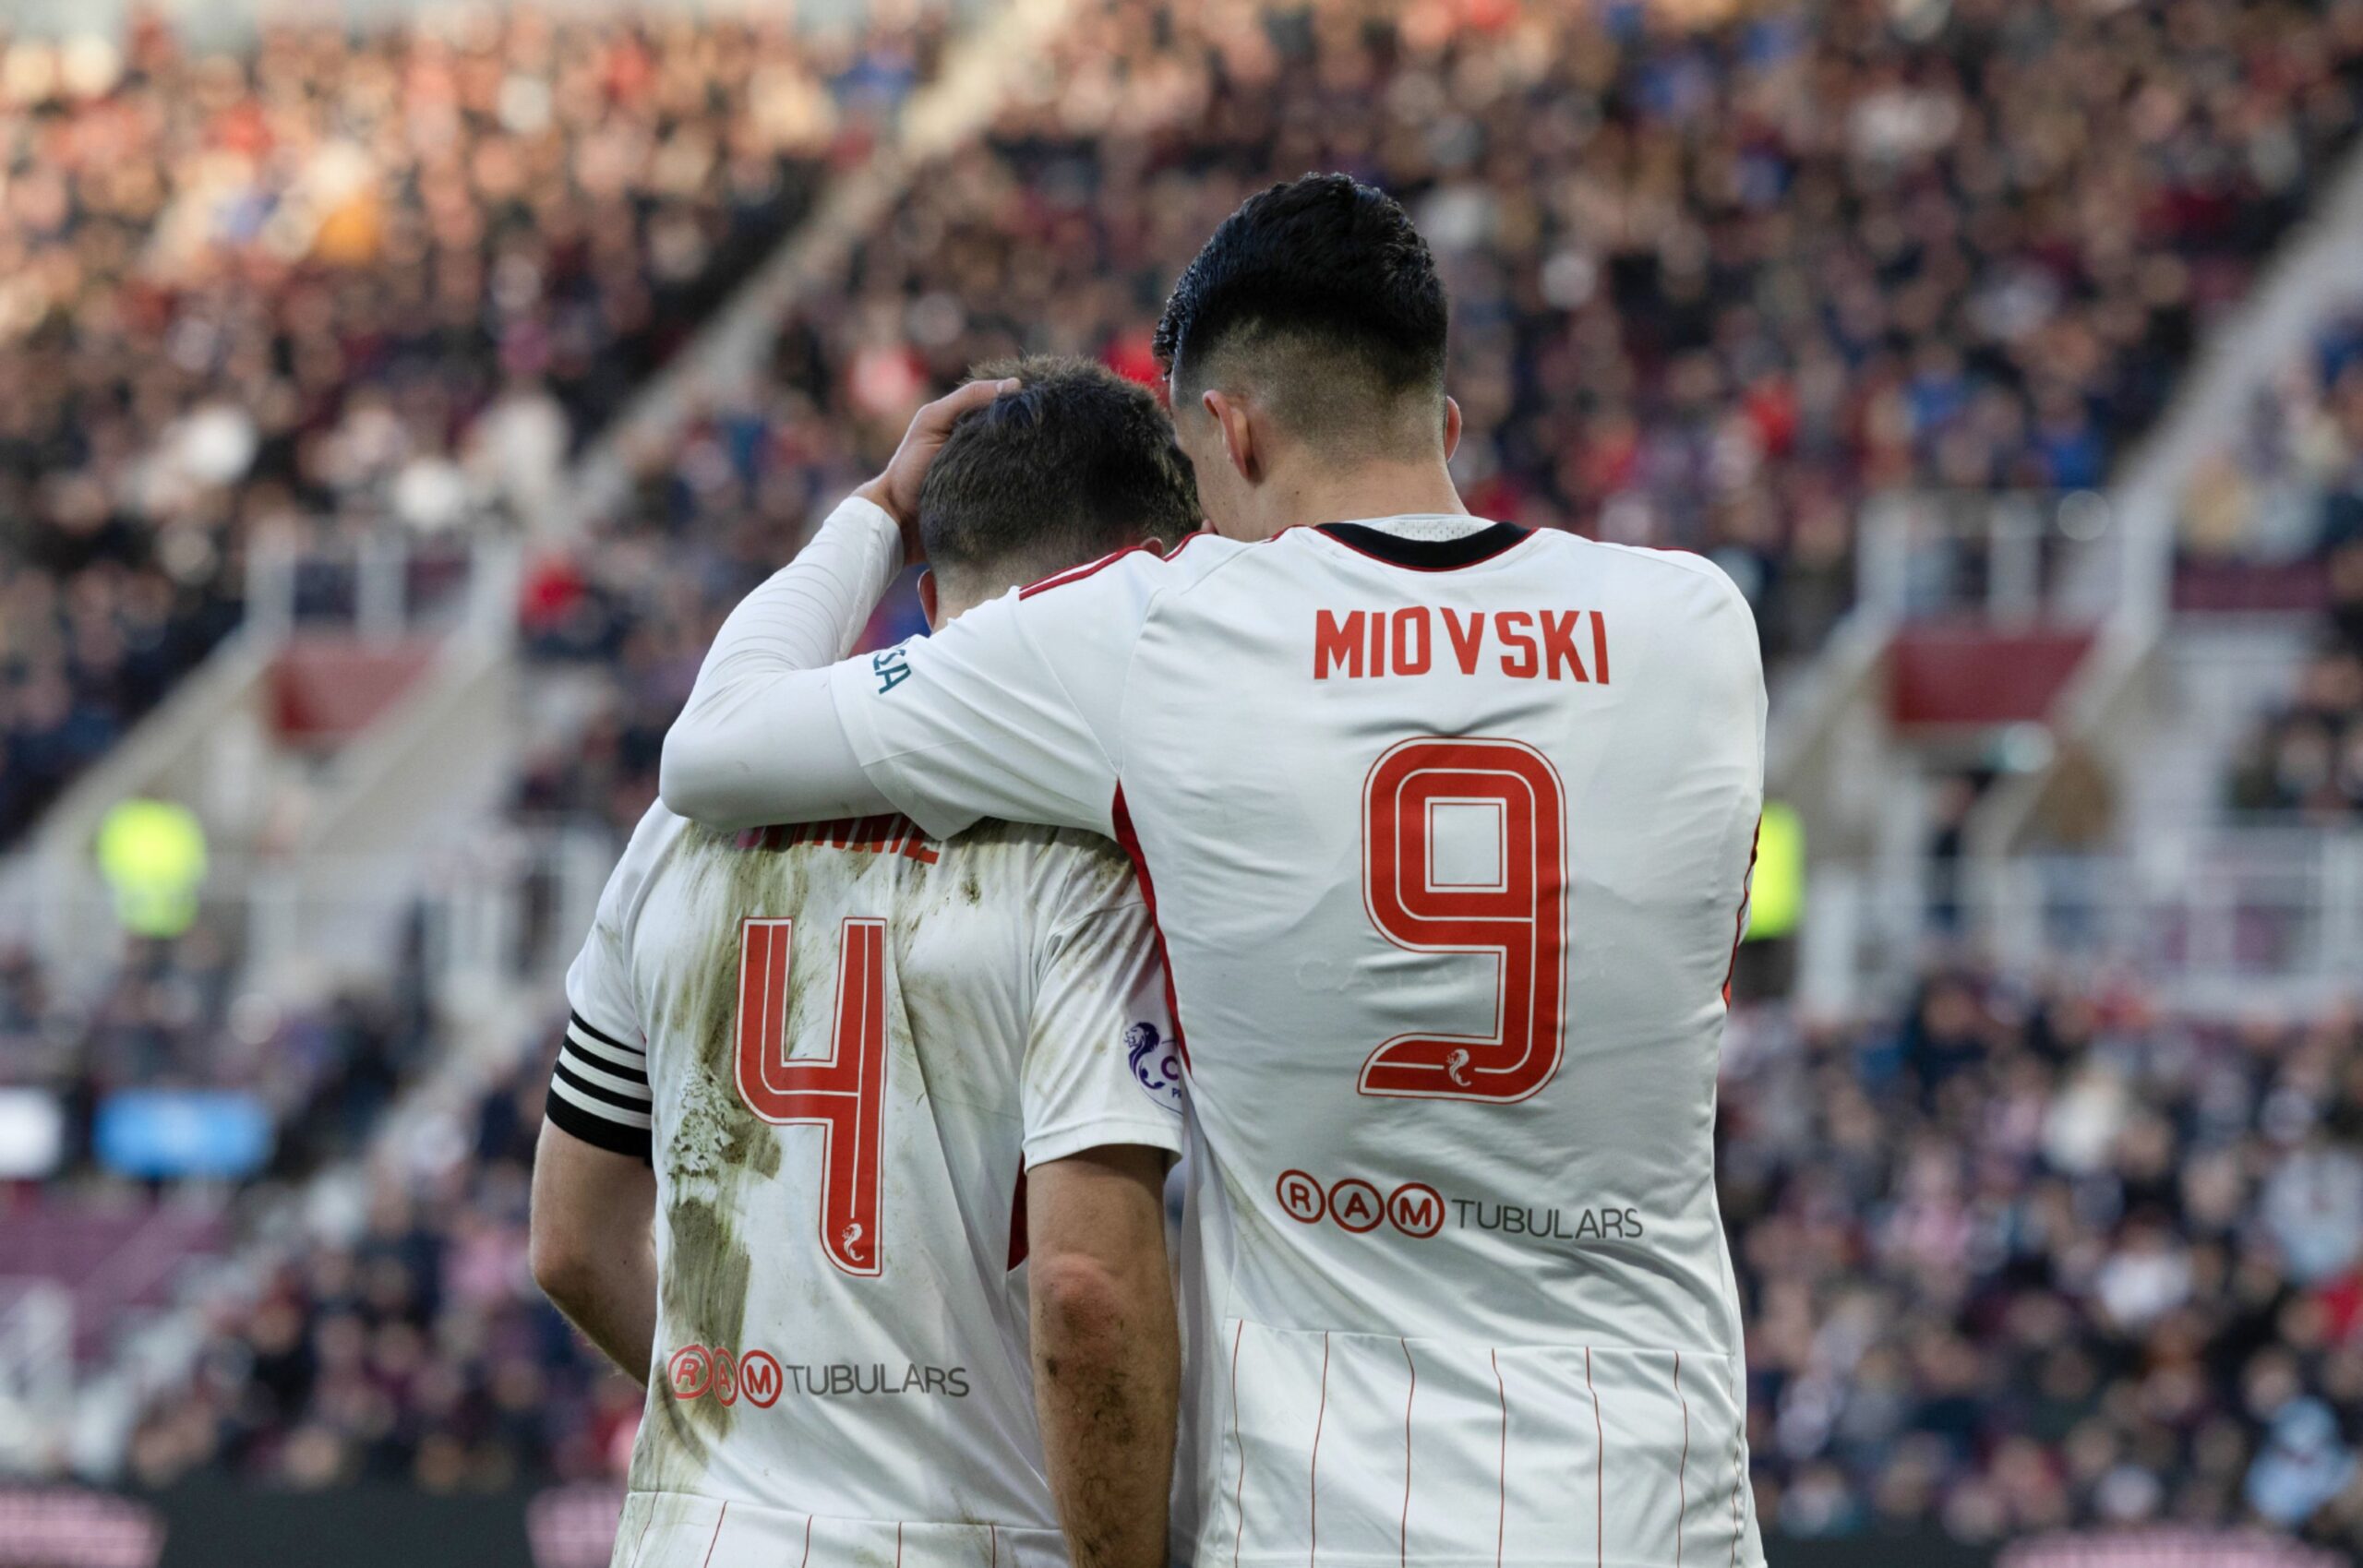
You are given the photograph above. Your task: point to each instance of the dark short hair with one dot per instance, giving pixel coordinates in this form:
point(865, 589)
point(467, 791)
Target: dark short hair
point(1076, 464)
point(1327, 279)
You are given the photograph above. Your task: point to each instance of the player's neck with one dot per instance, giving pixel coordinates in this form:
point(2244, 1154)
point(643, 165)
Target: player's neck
point(1367, 491)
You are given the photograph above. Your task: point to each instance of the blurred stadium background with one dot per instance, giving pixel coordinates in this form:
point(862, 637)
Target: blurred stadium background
point(392, 398)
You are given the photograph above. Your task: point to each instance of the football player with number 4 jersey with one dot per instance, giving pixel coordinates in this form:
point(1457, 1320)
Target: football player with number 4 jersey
point(1447, 826)
point(853, 1072)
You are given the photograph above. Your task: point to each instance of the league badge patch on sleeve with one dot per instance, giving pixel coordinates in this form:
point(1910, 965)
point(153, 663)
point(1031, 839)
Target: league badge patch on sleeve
point(1157, 1067)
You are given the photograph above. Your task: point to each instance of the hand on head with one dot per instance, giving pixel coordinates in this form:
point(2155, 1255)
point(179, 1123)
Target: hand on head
point(897, 491)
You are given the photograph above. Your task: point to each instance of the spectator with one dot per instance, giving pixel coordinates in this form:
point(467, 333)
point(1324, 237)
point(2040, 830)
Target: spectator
point(2060, 1284)
point(274, 290)
point(2081, 1275)
point(419, 1351)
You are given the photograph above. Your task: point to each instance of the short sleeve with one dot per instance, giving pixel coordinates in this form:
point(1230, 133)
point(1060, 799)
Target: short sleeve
point(1102, 1067)
point(599, 1088)
point(1008, 711)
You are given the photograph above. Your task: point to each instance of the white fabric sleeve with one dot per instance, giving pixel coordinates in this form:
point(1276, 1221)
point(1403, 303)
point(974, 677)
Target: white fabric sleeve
point(759, 740)
point(1010, 711)
point(1101, 1064)
point(599, 1087)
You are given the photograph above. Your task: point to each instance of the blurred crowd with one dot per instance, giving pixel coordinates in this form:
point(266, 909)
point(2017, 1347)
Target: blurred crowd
point(1717, 272)
point(1720, 273)
point(417, 1351)
point(2306, 756)
point(341, 282)
point(2290, 488)
point(172, 1017)
point(2025, 1260)
point(2011, 1262)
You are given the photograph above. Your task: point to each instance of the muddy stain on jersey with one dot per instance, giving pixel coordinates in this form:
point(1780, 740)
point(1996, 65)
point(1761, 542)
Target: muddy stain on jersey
point(715, 1145)
point(946, 980)
point(718, 1157)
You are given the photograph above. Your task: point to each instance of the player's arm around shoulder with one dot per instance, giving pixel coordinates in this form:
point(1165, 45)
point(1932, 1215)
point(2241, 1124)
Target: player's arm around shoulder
point(1013, 710)
point(1102, 1124)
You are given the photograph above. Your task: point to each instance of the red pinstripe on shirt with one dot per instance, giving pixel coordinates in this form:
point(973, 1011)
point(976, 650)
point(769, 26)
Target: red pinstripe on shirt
point(1239, 1502)
point(1739, 1464)
point(1501, 1519)
point(642, 1545)
point(1682, 1475)
point(1076, 574)
point(717, 1531)
point(1312, 1483)
point(1739, 916)
point(1403, 1538)
point(1599, 1471)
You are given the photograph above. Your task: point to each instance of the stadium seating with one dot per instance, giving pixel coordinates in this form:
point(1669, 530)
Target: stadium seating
point(172, 1019)
point(339, 284)
point(115, 1255)
point(2290, 493)
point(2013, 1260)
point(2307, 758)
point(1713, 284)
point(2019, 1259)
point(420, 1352)
point(2012, 1257)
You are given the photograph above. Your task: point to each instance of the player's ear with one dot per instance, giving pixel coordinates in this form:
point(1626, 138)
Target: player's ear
point(1238, 434)
point(928, 599)
point(1451, 428)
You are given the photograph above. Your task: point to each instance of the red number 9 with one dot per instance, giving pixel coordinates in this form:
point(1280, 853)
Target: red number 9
point(1521, 918)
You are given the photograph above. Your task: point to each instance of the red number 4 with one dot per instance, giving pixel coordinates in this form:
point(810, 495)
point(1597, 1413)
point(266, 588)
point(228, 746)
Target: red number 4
point(843, 1092)
point(1519, 916)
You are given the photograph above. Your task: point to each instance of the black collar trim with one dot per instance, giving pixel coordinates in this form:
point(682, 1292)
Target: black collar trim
point(1427, 555)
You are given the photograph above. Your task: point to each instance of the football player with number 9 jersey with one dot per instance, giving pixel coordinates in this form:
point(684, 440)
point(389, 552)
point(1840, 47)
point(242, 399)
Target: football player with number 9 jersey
point(1447, 825)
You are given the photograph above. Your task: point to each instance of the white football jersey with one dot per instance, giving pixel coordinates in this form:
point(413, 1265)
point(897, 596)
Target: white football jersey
point(1449, 827)
point(840, 1045)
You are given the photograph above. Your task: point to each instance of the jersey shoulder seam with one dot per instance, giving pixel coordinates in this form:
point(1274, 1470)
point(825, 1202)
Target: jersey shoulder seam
point(1059, 932)
point(1690, 561)
point(1034, 647)
point(1074, 848)
point(658, 840)
point(1206, 565)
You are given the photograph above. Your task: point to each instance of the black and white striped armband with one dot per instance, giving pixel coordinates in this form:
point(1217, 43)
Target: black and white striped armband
point(599, 1090)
